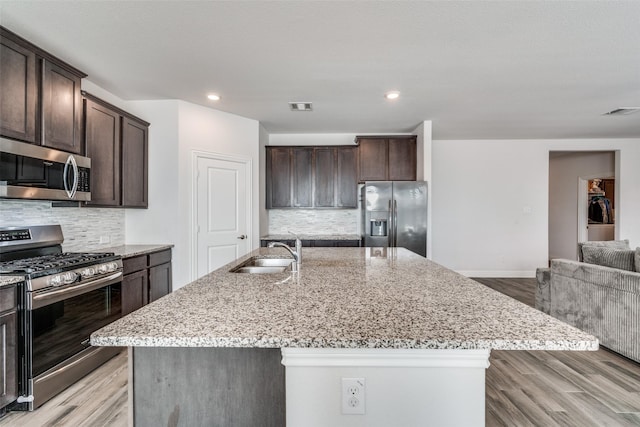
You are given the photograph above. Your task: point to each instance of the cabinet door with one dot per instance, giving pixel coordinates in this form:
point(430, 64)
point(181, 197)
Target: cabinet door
point(102, 139)
point(159, 281)
point(373, 159)
point(347, 178)
point(134, 163)
point(8, 358)
point(278, 178)
point(302, 161)
point(324, 194)
point(134, 291)
point(402, 159)
point(61, 108)
point(18, 89)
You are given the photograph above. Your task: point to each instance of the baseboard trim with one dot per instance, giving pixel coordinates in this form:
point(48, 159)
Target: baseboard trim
point(499, 273)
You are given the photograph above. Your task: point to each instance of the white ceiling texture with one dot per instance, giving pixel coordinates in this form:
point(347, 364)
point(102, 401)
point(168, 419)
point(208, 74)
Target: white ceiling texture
point(479, 70)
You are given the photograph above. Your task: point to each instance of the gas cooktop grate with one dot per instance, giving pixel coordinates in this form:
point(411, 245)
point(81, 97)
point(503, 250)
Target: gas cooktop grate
point(48, 262)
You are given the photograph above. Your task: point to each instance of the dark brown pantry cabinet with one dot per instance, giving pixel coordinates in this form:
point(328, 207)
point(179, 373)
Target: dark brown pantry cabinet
point(40, 101)
point(117, 144)
point(311, 177)
point(146, 278)
point(387, 158)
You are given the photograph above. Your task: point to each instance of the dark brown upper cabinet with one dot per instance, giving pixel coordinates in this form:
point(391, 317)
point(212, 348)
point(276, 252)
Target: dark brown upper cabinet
point(61, 108)
point(278, 177)
point(387, 158)
point(102, 139)
point(135, 158)
point(18, 90)
point(117, 144)
point(40, 100)
point(311, 177)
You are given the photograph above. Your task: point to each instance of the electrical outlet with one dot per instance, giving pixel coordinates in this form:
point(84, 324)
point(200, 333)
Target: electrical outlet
point(105, 239)
point(353, 396)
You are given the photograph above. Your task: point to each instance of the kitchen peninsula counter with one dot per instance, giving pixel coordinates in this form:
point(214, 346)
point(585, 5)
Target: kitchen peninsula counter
point(243, 349)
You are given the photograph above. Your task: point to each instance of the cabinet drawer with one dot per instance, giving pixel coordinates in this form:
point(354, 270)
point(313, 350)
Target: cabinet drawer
point(137, 263)
point(158, 258)
point(8, 298)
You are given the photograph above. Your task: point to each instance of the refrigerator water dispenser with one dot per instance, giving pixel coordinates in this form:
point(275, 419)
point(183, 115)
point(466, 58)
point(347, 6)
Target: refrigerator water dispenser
point(378, 227)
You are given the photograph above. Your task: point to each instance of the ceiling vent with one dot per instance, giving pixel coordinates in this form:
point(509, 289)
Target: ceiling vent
point(624, 111)
point(300, 106)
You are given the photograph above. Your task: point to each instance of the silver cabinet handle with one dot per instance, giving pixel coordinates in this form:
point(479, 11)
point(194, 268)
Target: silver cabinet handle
point(242, 237)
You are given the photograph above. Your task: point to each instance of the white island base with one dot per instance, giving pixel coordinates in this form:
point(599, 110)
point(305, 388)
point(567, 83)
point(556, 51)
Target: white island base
point(413, 387)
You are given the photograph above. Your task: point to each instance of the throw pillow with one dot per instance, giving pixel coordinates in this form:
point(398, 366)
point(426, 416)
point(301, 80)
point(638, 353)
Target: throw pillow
point(622, 259)
point(615, 244)
point(638, 260)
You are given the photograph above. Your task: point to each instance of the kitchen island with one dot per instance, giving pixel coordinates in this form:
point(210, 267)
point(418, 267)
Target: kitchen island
point(418, 333)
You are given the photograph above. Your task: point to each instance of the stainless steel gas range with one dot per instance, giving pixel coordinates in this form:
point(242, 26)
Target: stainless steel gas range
point(65, 297)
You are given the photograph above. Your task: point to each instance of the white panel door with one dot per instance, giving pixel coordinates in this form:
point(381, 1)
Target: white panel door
point(222, 213)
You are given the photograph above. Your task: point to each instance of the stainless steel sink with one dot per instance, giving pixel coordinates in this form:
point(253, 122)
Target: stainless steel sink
point(263, 265)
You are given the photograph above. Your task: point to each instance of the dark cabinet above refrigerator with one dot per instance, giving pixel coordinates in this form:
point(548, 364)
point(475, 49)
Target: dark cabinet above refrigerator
point(311, 177)
point(387, 158)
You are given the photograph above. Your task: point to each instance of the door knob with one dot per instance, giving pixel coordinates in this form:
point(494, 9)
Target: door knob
point(242, 237)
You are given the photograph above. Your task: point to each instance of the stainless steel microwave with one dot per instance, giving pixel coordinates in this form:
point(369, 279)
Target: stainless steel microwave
point(30, 171)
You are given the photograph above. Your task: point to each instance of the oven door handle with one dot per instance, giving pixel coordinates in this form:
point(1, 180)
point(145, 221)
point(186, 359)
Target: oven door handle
point(47, 298)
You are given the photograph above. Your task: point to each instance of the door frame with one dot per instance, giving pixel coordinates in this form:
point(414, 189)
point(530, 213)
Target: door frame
point(193, 235)
point(583, 210)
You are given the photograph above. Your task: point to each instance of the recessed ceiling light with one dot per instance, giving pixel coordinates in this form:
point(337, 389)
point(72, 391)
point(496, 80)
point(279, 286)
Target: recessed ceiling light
point(392, 95)
point(213, 97)
point(300, 106)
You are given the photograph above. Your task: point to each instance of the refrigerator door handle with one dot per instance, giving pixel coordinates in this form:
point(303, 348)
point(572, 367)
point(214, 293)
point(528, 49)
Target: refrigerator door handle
point(390, 225)
point(395, 223)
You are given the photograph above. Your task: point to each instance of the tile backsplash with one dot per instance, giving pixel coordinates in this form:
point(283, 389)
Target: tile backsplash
point(83, 228)
point(314, 221)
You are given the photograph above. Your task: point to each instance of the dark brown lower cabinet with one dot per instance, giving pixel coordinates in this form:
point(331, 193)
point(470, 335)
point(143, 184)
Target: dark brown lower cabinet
point(134, 291)
point(159, 281)
point(146, 278)
point(9, 345)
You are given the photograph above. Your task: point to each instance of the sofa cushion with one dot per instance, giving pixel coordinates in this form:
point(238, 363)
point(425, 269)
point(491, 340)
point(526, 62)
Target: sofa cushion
point(622, 259)
point(637, 263)
point(616, 244)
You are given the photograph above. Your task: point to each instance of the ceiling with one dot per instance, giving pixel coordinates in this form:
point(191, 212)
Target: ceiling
point(478, 70)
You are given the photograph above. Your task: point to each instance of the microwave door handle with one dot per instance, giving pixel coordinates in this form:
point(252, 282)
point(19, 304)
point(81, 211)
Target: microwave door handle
point(71, 161)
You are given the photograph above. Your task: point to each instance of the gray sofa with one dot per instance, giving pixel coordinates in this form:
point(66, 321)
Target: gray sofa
point(599, 295)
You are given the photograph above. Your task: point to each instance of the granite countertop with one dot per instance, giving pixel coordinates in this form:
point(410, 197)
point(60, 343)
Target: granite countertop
point(312, 237)
point(128, 251)
point(10, 280)
point(343, 298)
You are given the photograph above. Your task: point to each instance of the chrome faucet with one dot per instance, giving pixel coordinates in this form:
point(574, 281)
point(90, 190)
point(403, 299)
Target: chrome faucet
point(297, 254)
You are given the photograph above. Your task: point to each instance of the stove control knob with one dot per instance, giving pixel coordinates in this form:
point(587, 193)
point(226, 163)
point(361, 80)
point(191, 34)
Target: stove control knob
point(69, 277)
point(88, 272)
point(55, 280)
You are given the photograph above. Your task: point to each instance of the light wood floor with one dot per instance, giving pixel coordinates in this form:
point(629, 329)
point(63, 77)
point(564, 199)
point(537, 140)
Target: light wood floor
point(524, 388)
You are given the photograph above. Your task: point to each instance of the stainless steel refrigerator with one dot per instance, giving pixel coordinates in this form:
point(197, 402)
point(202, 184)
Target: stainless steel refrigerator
point(394, 214)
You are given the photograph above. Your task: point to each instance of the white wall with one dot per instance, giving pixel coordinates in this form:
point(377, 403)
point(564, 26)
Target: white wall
point(264, 214)
point(177, 129)
point(155, 224)
point(212, 131)
point(490, 201)
point(564, 171)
